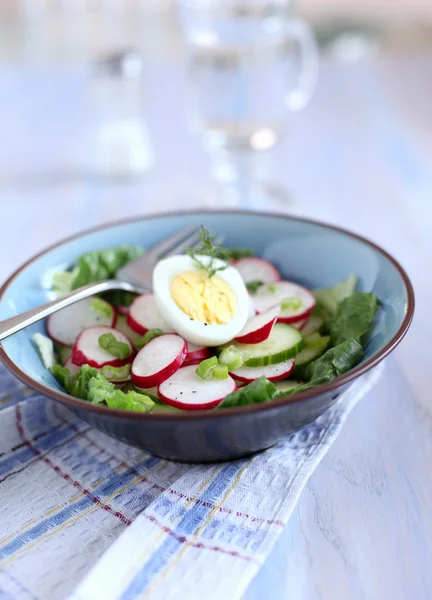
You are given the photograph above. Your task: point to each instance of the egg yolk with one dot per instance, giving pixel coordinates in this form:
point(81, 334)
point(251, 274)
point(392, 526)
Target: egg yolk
point(204, 299)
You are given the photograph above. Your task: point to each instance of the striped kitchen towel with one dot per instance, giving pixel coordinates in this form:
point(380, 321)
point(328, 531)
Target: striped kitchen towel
point(86, 517)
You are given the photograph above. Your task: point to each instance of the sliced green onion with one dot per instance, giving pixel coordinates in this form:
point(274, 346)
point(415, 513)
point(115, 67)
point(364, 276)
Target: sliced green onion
point(246, 355)
point(116, 373)
point(102, 307)
point(236, 363)
point(291, 303)
point(220, 372)
point(150, 335)
point(231, 357)
point(205, 368)
point(252, 286)
point(272, 288)
point(108, 342)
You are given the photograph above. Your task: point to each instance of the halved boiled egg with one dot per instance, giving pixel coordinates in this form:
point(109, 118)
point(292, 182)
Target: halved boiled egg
point(205, 310)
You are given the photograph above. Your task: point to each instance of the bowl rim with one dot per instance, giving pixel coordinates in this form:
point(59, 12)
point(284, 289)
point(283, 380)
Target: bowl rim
point(76, 403)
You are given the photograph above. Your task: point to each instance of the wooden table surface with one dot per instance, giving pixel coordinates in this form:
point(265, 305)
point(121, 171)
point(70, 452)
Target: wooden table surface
point(359, 156)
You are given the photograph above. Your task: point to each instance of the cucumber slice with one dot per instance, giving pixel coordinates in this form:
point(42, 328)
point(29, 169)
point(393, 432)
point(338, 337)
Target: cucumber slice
point(287, 385)
point(283, 343)
point(314, 324)
point(314, 346)
point(307, 355)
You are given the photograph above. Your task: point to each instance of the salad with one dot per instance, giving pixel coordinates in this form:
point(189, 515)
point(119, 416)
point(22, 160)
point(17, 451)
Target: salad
point(220, 329)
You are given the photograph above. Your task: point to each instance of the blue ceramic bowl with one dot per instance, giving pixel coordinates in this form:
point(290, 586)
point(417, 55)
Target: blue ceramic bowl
point(307, 252)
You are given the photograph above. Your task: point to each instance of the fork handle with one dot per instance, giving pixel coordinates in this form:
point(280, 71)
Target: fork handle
point(14, 324)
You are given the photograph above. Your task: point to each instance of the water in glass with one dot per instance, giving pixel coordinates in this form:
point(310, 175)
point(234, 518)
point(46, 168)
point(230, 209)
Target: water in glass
point(242, 63)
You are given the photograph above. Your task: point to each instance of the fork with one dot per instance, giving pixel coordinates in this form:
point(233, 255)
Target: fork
point(136, 277)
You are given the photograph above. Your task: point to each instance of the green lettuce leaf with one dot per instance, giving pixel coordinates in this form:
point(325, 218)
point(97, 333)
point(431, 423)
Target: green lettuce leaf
point(95, 266)
point(45, 347)
point(90, 384)
point(336, 361)
point(75, 385)
point(99, 388)
point(328, 299)
point(260, 390)
point(63, 376)
point(63, 280)
point(103, 264)
point(331, 364)
point(81, 383)
point(102, 391)
point(130, 401)
point(354, 317)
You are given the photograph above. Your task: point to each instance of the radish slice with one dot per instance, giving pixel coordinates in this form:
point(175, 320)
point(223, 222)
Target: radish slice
point(122, 310)
point(196, 353)
point(158, 360)
point(186, 390)
point(144, 315)
point(86, 350)
point(275, 293)
point(273, 372)
point(256, 269)
point(259, 327)
point(65, 325)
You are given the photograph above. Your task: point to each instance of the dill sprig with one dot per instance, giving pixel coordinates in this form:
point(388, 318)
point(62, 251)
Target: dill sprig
point(209, 248)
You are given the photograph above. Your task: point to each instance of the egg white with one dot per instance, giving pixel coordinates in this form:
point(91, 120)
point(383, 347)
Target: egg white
point(194, 331)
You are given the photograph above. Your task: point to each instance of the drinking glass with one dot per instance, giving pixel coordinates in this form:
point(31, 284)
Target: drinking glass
point(250, 63)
